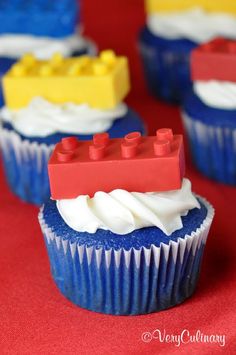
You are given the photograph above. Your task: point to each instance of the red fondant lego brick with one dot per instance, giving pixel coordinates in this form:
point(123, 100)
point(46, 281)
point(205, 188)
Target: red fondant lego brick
point(133, 163)
point(215, 60)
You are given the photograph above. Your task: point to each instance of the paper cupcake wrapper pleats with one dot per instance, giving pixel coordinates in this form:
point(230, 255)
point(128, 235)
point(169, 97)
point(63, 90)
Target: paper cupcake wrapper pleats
point(25, 166)
point(167, 72)
point(213, 149)
point(127, 282)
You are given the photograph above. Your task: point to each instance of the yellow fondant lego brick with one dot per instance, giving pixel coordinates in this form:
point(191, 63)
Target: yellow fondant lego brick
point(101, 82)
point(228, 6)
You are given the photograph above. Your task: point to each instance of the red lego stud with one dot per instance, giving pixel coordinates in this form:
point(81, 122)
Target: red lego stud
point(132, 163)
point(96, 152)
point(133, 137)
point(69, 143)
point(64, 156)
point(101, 139)
point(164, 134)
point(129, 149)
point(162, 148)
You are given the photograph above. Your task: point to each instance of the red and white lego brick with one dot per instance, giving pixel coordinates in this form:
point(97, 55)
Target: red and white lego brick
point(215, 60)
point(132, 163)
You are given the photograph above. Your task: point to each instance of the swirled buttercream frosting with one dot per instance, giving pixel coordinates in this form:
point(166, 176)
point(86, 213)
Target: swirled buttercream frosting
point(122, 212)
point(15, 46)
point(42, 118)
point(194, 24)
point(216, 94)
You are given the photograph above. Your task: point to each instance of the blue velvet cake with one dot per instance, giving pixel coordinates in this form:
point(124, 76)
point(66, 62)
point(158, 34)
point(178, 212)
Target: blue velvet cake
point(165, 44)
point(28, 134)
point(122, 252)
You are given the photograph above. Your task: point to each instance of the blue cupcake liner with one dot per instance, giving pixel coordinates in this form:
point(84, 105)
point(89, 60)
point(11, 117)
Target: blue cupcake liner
point(5, 64)
point(127, 282)
point(213, 149)
point(25, 166)
point(166, 66)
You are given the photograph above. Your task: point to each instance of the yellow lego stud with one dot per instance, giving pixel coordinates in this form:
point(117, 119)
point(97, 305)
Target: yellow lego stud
point(75, 69)
point(45, 70)
point(100, 68)
point(57, 59)
point(18, 70)
point(84, 61)
point(28, 59)
point(101, 82)
point(108, 57)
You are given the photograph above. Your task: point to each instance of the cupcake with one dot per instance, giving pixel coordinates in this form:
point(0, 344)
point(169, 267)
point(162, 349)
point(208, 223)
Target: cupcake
point(209, 111)
point(48, 100)
point(173, 29)
point(130, 241)
point(41, 27)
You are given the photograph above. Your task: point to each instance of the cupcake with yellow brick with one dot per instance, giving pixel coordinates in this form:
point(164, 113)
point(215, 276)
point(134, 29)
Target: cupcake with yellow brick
point(47, 100)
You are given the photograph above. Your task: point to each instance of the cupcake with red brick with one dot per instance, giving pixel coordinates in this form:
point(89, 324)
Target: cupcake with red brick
point(124, 232)
point(209, 111)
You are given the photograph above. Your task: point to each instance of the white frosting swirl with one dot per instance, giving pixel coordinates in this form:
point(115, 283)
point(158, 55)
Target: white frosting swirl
point(42, 118)
point(217, 94)
point(122, 212)
point(14, 46)
point(194, 24)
